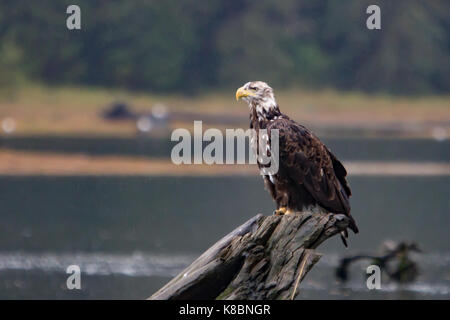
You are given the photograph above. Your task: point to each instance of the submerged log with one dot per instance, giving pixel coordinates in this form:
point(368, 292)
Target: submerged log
point(395, 262)
point(265, 258)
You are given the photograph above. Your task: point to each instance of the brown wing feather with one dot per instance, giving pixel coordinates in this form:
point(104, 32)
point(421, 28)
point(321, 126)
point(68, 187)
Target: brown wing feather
point(341, 173)
point(309, 162)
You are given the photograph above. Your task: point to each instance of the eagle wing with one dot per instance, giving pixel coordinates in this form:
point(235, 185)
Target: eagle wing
point(307, 161)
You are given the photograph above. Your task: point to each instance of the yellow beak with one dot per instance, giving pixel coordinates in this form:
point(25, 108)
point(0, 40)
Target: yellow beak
point(242, 93)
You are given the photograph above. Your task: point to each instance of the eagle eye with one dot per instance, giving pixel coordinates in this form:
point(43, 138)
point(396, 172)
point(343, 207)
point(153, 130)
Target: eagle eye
point(252, 88)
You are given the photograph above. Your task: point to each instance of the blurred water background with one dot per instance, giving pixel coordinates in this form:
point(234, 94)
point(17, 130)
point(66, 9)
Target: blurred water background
point(130, 235)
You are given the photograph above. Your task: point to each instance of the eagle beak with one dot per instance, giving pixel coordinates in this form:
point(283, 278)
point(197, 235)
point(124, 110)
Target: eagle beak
point(242, 93)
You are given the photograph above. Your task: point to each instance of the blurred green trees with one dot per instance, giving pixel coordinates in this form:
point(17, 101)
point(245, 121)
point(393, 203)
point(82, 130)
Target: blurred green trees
point(184, 45)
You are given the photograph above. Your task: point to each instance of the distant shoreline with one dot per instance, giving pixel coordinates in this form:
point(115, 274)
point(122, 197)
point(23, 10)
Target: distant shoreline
point(40, 110)
point(18, 163)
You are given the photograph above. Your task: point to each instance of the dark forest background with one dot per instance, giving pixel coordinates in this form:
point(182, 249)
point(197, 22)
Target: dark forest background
point(187, 45)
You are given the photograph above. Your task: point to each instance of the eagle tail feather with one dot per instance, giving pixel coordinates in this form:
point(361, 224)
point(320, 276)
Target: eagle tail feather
point(352, 225)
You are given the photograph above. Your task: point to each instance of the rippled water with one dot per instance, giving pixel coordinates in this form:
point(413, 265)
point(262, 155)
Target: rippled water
point(133, 265)
point(153, 271)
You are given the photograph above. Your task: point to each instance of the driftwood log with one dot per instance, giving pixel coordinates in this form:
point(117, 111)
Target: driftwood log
point(265, 258)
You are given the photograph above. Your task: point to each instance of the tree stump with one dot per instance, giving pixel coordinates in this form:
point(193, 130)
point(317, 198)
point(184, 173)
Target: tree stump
point(265, 258)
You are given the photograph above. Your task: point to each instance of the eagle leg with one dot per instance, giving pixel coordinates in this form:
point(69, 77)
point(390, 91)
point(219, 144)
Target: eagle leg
point(280, 211)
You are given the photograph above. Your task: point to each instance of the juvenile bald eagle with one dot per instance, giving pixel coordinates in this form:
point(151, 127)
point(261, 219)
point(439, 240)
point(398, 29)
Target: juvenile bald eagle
point(309, 177)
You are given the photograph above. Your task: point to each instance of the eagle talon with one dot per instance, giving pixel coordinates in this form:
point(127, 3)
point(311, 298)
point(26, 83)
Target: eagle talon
point(280, 211)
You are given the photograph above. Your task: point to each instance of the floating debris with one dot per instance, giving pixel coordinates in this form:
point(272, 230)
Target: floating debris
point(394, 261)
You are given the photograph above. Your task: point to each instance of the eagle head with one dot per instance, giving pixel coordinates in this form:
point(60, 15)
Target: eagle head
point(258, 95)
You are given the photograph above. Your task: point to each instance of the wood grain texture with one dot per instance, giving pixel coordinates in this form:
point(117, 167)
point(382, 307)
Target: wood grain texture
point(258, 260)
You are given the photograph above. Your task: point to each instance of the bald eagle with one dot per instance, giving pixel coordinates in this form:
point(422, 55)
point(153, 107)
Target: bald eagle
point(309, 176)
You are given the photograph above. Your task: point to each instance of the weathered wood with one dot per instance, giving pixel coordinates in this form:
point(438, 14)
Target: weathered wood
point(262, 259)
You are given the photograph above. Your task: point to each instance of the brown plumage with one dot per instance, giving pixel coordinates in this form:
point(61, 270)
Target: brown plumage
point(309, 177)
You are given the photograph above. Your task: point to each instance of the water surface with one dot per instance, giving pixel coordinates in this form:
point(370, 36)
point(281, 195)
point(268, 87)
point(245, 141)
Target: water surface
point(130, 235)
